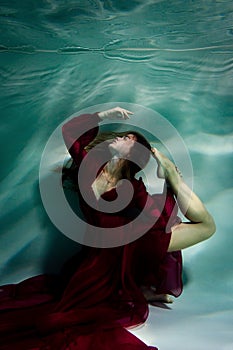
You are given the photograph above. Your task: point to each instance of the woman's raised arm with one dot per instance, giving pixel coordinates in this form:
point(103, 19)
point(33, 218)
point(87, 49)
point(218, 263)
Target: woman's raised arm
point(201, 224)
point(79, 131)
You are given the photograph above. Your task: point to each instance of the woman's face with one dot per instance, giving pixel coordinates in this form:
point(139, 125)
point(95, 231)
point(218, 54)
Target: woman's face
point(121, 146)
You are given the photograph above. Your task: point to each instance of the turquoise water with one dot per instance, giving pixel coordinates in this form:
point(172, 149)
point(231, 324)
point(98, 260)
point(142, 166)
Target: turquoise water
point(174, 57)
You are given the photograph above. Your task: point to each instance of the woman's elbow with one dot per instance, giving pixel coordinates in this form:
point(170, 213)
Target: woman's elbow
point(210, 227)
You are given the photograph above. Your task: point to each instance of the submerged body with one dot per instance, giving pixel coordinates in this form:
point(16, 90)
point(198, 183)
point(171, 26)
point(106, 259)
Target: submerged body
point(89, 305)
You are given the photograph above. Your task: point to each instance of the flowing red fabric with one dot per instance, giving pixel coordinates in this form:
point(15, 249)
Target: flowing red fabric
point(92, 302)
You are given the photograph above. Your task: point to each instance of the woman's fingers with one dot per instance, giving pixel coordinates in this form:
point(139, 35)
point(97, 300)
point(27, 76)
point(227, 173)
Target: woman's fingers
point(123, 113)
point(126, 115)
point(115, 113)
point(128, 112)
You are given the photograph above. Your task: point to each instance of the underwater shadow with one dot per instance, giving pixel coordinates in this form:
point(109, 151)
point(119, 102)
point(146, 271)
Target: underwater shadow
point(58, 248)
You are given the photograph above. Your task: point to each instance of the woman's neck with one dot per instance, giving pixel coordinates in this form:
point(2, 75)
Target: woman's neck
point(114, 168)
point(108, 177)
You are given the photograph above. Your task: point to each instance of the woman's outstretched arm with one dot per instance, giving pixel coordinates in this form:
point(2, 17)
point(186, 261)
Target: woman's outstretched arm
point(201, 224)
point(79, 131)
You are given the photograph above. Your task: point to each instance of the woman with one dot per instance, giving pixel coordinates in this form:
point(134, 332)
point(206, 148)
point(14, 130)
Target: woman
point(92, 302)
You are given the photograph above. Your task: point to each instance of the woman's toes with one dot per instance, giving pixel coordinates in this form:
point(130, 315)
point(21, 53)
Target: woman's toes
point(168, 299)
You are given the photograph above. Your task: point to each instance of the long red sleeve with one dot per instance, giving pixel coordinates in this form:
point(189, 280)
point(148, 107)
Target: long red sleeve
point(78, 133)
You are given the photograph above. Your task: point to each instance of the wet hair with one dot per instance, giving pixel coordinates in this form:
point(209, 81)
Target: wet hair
point(140, 152)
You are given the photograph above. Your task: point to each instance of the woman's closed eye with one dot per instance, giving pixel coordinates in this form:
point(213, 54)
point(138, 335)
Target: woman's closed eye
point(130, 137)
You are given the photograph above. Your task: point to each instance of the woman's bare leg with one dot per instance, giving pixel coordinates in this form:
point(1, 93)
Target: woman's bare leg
point(201, 224)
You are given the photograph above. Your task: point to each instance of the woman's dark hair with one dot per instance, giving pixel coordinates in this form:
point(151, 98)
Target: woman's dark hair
point(140, 152)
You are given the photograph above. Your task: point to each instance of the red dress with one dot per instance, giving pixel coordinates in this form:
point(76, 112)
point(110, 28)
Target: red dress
point(92, 302)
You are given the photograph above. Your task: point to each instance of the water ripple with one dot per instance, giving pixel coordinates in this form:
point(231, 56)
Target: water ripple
point(118, 49)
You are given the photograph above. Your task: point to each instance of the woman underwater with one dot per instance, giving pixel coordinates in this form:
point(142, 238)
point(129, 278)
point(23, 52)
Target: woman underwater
point(92, 302)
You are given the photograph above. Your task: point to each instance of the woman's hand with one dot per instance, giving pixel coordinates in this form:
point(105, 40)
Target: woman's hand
point(115, 113)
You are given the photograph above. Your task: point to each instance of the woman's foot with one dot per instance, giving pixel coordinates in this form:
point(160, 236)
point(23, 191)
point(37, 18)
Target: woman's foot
point(151, 296)
point(166, 168)
point(164, 164)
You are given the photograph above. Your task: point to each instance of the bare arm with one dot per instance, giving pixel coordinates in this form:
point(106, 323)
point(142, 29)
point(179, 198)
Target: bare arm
point(201, 225)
